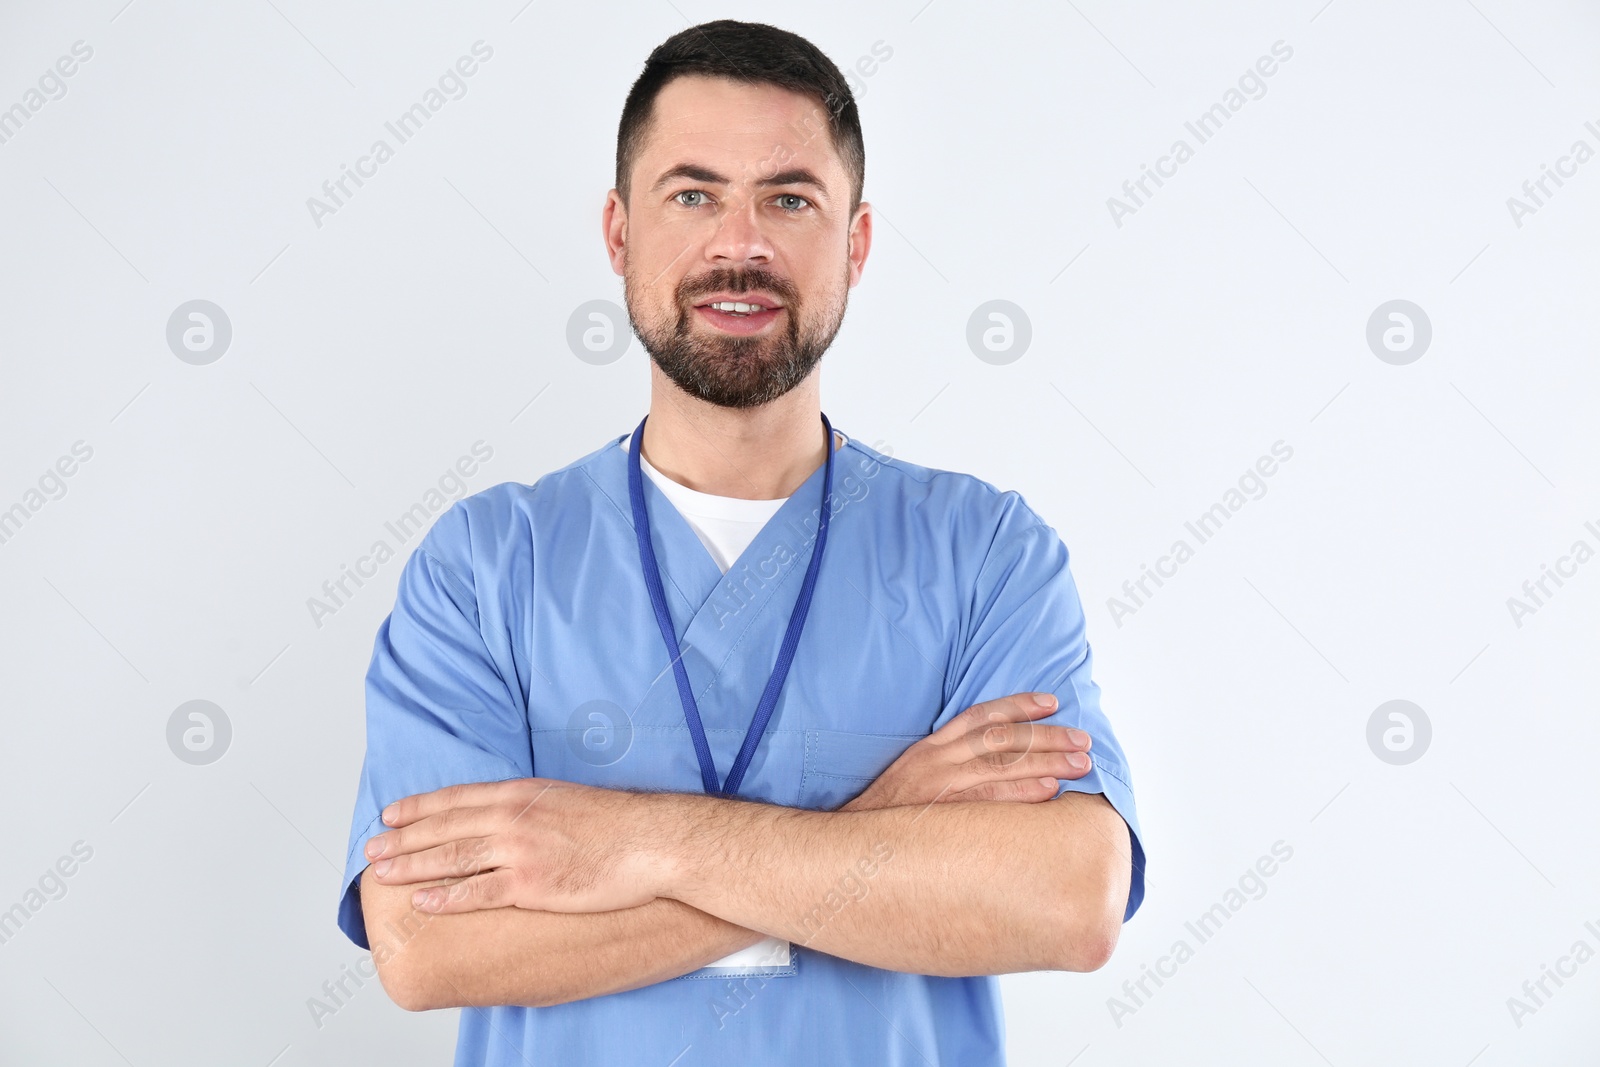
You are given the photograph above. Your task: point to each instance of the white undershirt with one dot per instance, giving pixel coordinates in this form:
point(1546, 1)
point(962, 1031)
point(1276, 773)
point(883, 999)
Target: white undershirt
point(725, 525)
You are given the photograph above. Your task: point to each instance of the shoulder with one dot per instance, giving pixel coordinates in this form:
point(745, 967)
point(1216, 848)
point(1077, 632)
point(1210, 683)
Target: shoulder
point(490, 530)
point(971, 511)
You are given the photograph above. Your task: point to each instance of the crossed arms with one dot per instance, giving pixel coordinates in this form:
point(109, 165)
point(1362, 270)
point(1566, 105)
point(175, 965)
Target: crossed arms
point(956, 861)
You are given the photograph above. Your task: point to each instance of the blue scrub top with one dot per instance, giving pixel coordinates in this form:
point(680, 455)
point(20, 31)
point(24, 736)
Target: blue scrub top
point(522, 643)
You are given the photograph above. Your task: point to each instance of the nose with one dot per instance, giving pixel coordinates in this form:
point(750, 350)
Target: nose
point(739, 238)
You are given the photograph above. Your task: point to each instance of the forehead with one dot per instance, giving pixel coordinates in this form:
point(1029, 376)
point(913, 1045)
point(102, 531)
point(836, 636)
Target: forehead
point(718, 120)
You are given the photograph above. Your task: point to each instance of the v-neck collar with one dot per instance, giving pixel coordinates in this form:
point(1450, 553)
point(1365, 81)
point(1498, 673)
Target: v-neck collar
point(730, 627)
point(688, 568)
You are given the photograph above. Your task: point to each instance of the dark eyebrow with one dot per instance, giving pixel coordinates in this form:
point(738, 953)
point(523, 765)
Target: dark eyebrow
point(696, 172)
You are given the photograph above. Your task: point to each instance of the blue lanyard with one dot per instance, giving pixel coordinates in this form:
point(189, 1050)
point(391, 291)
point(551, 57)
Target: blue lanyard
point(791, 637)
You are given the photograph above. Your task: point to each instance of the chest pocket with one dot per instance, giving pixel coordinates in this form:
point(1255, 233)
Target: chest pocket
point(840, 764)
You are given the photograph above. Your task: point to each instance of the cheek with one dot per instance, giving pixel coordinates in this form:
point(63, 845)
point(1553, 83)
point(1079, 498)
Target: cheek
point(817, 261)
point(824, 283)
point(666, 238)
point(653, 282)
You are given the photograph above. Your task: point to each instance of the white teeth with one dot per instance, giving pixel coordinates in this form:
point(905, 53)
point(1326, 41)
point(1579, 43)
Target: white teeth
point(736, 306)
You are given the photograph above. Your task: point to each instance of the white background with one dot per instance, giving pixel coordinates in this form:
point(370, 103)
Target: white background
point(1168, 353)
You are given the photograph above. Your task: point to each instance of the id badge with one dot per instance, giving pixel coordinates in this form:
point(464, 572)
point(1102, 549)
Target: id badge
point(771, 957)
point(767, 953)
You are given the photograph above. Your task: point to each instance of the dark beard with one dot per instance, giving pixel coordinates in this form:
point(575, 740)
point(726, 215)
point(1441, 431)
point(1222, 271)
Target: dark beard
point(737, 372)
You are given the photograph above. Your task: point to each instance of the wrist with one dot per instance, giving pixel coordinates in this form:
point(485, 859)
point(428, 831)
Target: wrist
point(665, 826)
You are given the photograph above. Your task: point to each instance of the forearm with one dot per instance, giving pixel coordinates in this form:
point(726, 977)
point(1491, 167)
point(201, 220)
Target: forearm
point(533, 958)
point(948, 889)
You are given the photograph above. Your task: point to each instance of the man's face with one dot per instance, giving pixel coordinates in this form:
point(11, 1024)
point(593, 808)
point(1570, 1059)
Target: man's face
point(738, 196)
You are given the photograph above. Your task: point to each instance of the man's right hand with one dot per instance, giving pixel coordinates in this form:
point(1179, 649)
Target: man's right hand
point(991, 751)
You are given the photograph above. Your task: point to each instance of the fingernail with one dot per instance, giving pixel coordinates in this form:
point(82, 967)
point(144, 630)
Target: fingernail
point(1050, 782)
point(1076, 736)
point(1079, 761)
point(422, 899)
point(389, 813)
point(381, 868)
point(1044, 700)
point(375, 848)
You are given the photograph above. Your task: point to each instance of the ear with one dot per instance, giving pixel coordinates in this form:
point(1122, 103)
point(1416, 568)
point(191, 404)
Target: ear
point(614, 230)
point(860, 241)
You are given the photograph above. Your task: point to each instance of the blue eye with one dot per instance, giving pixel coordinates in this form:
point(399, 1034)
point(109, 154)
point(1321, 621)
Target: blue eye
point(799, 203)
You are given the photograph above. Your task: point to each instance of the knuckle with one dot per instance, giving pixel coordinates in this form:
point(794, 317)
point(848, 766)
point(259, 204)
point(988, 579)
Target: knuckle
point(990, 709)
point(1000, 762)
point(997, 735)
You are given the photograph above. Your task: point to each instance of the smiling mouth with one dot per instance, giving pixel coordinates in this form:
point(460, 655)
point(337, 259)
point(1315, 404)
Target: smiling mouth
point(737, 307)
point(737, 317)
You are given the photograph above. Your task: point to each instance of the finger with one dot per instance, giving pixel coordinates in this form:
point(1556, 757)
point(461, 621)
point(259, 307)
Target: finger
point(1032, 737)
point(490, 890)
point(451, 824)
point(408, 810)
point(1019, 707)
point(1024, 790)
point(1011, 737)
point(456, 859)
point(1007, 767)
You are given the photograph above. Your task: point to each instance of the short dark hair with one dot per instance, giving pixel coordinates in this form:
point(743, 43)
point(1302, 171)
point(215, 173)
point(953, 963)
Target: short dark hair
point(754, 53)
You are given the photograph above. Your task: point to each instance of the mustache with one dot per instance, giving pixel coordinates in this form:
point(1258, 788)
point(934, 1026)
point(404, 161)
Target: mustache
point(738, 282)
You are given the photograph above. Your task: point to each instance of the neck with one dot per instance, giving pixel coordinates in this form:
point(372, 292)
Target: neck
point(761, 453)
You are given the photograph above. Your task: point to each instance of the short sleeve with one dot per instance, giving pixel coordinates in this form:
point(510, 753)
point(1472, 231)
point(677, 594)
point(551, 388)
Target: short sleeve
point(1026, 632)
point(439, 711)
